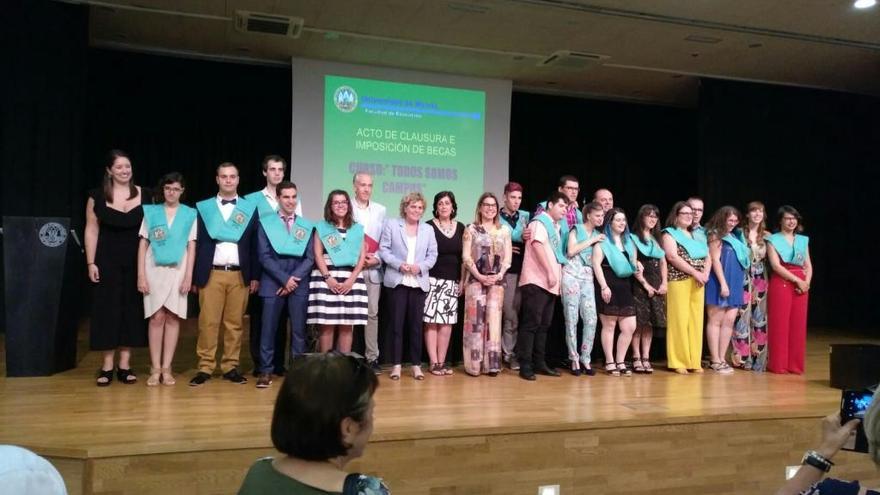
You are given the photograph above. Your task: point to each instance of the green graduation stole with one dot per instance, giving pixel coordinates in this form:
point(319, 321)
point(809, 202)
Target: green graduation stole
point(228, 230)
point(699, 234)
point(343, 252)
point(168, 243)
point(695, 248)
point(736, 240)
point(622, 265)
point(651, 249)
point(795, 254)
point(563, 222)
point(291, 243)
point(580, 233)
point(553, 235)
point(263, 206)
point(516, 232)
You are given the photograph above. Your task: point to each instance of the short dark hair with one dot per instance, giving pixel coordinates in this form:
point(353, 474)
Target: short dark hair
point(348, 221)
point(226, 165)
point(319, 392)
point(791, 210)
point(555, 197)
point(285, 184)
point(169, 178)
point(273, 158)
point(445, 194)
point(567, 178)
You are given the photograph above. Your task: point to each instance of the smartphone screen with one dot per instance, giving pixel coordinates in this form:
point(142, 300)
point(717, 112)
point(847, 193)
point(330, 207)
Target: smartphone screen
point(853, 404)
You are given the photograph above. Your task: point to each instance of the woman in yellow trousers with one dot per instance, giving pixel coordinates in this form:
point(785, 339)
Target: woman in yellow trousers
point(689, 267)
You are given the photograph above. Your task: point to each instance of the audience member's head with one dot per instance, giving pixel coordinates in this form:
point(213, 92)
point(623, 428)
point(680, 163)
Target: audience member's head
point(324, 408)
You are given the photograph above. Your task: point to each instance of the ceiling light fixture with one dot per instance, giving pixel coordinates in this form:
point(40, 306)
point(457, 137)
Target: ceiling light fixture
point(864, 4)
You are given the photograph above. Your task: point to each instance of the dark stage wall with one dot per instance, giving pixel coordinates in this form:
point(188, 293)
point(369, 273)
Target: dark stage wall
point(64, 104)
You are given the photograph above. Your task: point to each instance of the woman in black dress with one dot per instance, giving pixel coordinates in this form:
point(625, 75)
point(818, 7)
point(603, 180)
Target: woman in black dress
point(446, 277)
point(614, 268)
point(113, 217)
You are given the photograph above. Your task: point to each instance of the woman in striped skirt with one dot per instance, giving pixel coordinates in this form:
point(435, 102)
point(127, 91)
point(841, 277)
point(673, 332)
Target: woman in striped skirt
point(337, 292)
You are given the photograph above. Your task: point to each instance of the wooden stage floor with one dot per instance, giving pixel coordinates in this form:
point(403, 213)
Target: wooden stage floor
point(660, 433)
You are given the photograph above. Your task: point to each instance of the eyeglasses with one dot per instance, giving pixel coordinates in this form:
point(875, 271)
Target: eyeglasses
point(698, 210)
point(651, 215)
point(489, 205)
point(686, 213)
point(339, 203)
point(173, 189)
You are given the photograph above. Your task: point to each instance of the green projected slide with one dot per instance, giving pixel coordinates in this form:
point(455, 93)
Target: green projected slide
point(410, 137)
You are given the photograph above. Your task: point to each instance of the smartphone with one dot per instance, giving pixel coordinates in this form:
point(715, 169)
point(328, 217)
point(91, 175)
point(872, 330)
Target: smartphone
point(853, 404)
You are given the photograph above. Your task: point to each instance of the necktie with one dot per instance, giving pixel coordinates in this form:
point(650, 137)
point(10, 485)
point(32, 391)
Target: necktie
point(287, 222)
point(228, 201)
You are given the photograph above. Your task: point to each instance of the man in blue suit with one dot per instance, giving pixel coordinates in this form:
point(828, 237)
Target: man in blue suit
point(284, 247)
point(226, 270)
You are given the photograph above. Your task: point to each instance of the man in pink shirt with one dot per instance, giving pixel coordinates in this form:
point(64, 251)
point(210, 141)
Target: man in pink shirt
point(539, 283)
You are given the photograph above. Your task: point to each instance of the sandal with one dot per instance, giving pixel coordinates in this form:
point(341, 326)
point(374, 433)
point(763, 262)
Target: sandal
point(126, 376)
point(637, 365)
point(647, 365)
point(611, 369)
point(155, 377)
point(105, 378)
point(437, 369)
point(447, 370)
point(395, 372)
point(587, 369)
point(167, 377)
point(417, 372)
point(624, 370)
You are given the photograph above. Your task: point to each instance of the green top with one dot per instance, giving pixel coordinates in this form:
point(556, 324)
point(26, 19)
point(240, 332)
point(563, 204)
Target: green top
point(263, 479)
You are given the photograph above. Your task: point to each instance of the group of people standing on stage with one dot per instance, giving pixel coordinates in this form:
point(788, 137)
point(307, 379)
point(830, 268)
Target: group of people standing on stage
point(145, 254)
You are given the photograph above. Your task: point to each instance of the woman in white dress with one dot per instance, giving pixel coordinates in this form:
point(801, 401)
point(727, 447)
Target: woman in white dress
point(165, 264)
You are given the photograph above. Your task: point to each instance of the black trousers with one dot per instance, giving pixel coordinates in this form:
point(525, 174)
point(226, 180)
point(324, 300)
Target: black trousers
point(407, 308)
point(536, 315)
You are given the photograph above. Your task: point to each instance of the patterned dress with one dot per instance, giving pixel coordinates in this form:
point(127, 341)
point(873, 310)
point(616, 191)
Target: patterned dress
point(490, 253)
point(650, 311)
point(749, 340)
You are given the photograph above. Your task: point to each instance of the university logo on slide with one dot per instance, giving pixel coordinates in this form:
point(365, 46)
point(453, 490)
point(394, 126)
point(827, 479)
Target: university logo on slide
point(345, 98)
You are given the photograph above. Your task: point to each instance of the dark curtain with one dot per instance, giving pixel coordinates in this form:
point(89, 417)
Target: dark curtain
point(642, 153)
point(44, 48)
point(815, 150)
point(177, 114)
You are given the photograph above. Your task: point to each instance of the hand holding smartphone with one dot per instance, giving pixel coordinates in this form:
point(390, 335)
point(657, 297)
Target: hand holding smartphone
point(853, 404)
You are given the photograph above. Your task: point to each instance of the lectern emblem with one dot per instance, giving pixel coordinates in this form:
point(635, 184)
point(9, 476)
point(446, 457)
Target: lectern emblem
point(52, 234)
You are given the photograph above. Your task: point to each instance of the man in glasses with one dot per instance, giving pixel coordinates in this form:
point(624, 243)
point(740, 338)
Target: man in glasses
point(696, 204)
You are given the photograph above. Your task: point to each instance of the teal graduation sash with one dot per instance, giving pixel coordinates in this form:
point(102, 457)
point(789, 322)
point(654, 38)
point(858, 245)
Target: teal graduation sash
point(580, 234)
point(793, 254)
point(622, 265)
point(168, 243)
point(343, 252)
point(228, 230)
point(563, 222)
point(263, 206)
point(553, 235)
point(516, 232)
point(699, 234)
point(736, 240)
point(695, 248)
point(291, 243)
point(651, 249)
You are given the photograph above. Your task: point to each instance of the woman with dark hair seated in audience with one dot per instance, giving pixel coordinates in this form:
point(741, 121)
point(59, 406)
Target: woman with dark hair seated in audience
point(818, 462)
point(323, 419)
